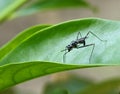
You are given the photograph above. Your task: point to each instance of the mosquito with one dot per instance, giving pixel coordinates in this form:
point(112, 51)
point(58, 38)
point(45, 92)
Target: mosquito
point(76, 44)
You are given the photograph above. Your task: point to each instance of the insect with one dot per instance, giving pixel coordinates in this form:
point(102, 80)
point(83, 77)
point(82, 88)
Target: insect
point(76, 44)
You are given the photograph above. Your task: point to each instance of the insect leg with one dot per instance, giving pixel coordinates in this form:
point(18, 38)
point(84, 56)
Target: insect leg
point(95, 36)
point(64, 57)
point(63, 50)
point(91, 51)
point(78, 35)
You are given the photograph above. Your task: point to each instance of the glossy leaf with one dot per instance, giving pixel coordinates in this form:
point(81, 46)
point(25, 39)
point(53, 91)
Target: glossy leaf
point(42, 5)
point(39, 53)
point(13, 74)
point(14, 8)
point(19, 39)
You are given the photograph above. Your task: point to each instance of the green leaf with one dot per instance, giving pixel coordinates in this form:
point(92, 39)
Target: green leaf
point(42, 5)
point(19, 39)
point(14, 8)
point(13, 74)
point(7, 7)
point(39, 53)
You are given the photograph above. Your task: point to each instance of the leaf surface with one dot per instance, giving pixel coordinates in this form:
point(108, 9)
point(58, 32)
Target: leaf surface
point(39, 53)
point(43, 5)
point(16, 8)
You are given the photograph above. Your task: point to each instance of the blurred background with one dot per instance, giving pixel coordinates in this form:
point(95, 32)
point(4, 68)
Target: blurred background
point(108, 9)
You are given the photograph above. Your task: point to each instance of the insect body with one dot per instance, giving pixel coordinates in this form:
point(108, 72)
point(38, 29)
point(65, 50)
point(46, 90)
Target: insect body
point(76, 44)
